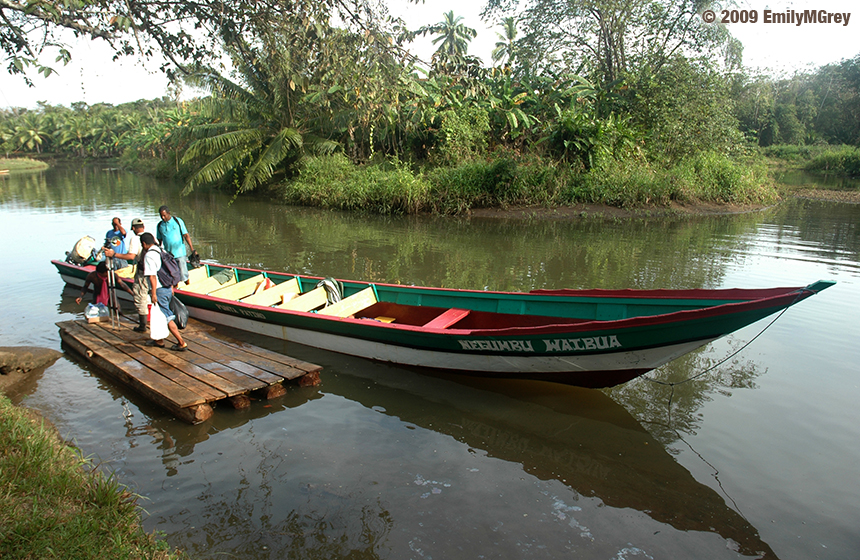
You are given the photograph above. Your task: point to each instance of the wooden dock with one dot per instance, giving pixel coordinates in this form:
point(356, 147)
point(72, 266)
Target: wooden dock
point(188, 383)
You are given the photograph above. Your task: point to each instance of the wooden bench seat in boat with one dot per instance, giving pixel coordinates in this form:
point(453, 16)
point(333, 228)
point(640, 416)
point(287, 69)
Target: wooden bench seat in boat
point(126, 272)
point(305, 302)
point(352, 304)
point(206, 285)
point(197, 274)
point(270, 296)
point(239, 290)
point(447, 319)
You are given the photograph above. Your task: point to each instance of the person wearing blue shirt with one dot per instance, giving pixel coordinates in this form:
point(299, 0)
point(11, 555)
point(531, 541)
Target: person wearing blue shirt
point(172, 234)
point(115, 240)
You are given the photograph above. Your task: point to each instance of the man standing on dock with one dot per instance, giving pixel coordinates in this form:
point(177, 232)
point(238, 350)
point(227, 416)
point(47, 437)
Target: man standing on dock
point(173, 235)
point(160, 295)
point(140, 289)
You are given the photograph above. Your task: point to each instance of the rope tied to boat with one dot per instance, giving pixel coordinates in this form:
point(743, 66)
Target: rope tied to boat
point(672, 384)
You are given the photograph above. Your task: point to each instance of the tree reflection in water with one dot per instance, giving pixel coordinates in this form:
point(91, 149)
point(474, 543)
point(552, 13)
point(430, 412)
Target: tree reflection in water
point(667, 400)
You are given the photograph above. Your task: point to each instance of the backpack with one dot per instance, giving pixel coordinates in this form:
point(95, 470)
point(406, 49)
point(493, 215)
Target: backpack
point(169, 274)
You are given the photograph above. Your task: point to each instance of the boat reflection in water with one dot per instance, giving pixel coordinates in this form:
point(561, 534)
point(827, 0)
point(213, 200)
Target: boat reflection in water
point(580, 437)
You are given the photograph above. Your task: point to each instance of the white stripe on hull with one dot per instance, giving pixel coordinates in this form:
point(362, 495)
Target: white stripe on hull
point(638, 359)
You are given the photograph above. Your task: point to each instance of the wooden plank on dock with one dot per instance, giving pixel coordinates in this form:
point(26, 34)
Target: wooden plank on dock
point(234, 360)
point(211, 369)
point(264, 353)
point(129, 370)
point(270, 364)
point(207, 383)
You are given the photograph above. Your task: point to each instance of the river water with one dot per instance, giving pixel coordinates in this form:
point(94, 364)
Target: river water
point(756, 458)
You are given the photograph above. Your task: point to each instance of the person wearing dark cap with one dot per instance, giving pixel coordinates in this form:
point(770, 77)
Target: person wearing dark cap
point(140, 289)
point(160, 295)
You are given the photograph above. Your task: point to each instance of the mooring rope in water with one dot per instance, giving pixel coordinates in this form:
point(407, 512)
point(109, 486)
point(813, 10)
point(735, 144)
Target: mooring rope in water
point(800, 292)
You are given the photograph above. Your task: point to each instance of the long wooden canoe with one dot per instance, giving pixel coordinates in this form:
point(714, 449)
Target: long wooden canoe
point(589, 338)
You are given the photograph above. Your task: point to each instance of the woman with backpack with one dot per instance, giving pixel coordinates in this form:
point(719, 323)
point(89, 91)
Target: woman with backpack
point(161, 288)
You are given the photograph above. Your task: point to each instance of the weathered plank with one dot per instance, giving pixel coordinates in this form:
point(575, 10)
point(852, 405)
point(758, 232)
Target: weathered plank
point(223, 371)
point(127, 370)
point(235, 362)
point(224, 386)
point(261, 353)
point(157, 359)
point(283, 371)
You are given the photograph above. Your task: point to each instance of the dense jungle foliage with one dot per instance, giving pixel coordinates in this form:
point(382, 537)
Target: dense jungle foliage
point(576, 107)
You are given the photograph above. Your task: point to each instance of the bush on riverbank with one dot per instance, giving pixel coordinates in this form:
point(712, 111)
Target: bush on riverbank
point(52, 504)
point(487, 183)
point(842, 160)
point(512, 180)
point(334, 182)
point(707, 177)
point(839, 160)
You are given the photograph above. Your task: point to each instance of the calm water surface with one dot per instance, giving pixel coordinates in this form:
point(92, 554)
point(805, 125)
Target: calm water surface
point(758, 457)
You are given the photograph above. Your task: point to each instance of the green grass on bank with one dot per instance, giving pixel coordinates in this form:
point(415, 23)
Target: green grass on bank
point(54, 505)
point(21, 164)
point(842, 161)
point(509, 180)
point(837, 160)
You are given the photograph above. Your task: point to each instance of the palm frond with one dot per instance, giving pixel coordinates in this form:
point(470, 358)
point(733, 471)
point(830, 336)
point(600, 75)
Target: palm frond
point(247, 138)
point(321, 146)
point(218, 168)
point(285, 143)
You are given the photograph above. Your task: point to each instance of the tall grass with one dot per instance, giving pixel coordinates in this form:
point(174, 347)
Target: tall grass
point(334, 182)
point(708, 177)
point(712, 177)
point(503, 181)
point(54, 505)
point(844, 160)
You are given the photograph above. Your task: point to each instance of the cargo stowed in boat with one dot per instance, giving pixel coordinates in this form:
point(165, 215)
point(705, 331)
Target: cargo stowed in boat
point(590, 338)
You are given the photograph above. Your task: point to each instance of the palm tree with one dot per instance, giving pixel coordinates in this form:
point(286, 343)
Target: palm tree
point(74, 132)
point(30, 132)
point(252, 134)
point(453, 36)
point(505, 46)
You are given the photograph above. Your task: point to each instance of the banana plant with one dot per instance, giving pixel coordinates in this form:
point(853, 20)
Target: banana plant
point(506, 107)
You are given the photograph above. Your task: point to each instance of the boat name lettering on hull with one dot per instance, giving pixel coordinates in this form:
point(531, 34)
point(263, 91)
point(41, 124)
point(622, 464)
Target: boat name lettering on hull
point(554, 345)
point(245, 312)
point(582, 344)
point(498, 345)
